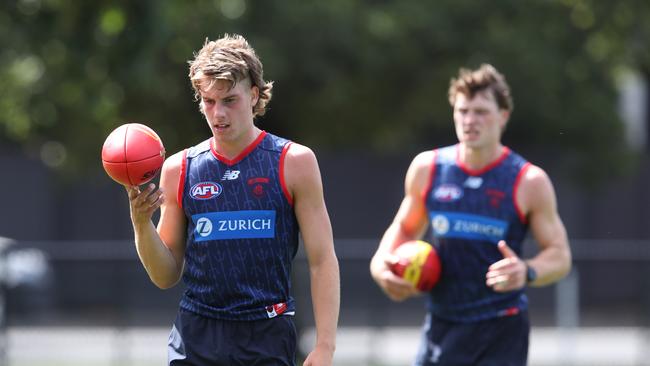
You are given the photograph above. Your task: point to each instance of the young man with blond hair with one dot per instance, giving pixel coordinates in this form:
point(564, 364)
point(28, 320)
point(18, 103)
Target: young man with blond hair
point(232, 208)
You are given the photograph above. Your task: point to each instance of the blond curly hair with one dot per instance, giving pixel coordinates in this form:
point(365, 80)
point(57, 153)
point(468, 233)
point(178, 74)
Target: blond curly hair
point(230, 58)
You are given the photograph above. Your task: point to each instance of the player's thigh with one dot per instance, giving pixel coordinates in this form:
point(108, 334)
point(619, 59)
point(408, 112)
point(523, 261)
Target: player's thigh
point(509, 346)
point(268, 342)
point(446, 343)
point(494, 342)
point(197, 341)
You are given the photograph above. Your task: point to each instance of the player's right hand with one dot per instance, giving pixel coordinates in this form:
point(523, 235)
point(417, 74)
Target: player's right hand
point(395, 287)
point(143, 203)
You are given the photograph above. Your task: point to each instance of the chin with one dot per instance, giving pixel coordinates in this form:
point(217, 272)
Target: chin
point(473, 144)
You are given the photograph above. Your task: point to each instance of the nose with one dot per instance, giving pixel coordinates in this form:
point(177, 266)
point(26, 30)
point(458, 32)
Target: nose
point(218, 112)
point(469, 118)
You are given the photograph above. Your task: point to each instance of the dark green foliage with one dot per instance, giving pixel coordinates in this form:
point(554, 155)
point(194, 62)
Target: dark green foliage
point(349, 74)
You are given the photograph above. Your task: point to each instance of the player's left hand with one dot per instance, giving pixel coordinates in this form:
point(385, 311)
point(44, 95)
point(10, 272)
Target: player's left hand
point(507, 274)
point(144, 203)
point(320, 356)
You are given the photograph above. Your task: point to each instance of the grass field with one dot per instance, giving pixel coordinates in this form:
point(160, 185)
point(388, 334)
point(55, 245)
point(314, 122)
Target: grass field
point(356, 346)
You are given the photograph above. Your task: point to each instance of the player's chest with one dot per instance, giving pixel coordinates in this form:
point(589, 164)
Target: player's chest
point(253, 184)
point(474, 193)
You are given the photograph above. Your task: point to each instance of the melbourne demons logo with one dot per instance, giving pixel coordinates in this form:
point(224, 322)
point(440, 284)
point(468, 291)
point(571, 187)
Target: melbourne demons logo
point(257, 185)
point(205, 190)
point(448, 193)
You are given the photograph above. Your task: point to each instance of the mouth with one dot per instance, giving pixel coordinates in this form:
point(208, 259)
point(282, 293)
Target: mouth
point(470, 133)
point(221, 126)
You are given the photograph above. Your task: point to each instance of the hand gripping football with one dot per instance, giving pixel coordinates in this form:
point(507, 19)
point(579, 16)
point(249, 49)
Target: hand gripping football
point(418, 263)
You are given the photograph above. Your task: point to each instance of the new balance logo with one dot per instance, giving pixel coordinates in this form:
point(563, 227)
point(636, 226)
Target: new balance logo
point(230, 175)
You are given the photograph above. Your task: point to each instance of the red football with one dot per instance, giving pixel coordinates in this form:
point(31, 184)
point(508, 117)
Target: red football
point(418, 263)
point(133, 154)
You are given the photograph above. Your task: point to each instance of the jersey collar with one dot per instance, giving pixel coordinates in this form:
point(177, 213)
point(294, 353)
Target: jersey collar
point(504, 154)
point(242, 155)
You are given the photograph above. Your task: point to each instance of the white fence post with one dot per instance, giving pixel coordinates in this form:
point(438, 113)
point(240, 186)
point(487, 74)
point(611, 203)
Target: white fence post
point(567, 316)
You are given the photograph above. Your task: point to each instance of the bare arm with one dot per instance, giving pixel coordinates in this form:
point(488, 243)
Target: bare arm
point(160, 249)
point(409, 223)
point(304, 182)
point(553, 261)
point(536, 198)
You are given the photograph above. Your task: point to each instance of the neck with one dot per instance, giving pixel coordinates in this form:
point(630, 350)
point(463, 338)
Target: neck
point(231, 148)
point(478, 158)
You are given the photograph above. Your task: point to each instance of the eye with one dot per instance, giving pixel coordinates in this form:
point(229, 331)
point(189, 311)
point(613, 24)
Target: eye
point(208, 101)
point(229, 100)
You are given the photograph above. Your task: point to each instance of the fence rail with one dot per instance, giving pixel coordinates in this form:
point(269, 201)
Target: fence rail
point(101, 286)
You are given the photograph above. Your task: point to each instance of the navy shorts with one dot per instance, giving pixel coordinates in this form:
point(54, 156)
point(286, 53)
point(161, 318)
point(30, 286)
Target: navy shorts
point(500, 341)
point(200, 341)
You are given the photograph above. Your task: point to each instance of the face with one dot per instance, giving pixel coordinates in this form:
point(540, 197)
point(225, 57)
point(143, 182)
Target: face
point(479, 121)
point(229, 112)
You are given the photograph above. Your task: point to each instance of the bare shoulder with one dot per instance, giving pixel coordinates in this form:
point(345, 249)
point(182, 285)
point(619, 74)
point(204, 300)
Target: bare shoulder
point(419, 172)
point(300, 164)
point(536, 189)
point(171, 172)
point(300, 154)
point(172, 165)
point(301, 169)
point(423, 161)
point(174, 162)
point(535, 178)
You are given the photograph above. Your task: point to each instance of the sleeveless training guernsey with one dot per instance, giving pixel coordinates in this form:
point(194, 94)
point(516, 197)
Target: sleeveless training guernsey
point(469, 212)
point(242, 233)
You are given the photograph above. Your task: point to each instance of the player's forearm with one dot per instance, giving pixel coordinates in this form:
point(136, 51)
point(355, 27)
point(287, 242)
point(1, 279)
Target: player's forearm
point(156, 258)
point(393, 235)
point(325, 289)
point(551, 265)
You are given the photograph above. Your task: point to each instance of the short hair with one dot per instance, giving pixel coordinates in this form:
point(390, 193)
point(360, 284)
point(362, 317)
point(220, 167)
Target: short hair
point(230, 58)
point(469, 82)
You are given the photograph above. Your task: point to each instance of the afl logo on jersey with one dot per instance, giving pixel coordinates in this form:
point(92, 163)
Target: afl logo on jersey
point(205, 190)
point(447, 193)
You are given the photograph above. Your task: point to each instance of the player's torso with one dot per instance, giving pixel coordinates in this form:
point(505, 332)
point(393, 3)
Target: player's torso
point(242, 232)
point(469, 213)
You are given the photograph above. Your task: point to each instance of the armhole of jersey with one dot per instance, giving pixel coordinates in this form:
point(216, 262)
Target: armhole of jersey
point(432, 175)
point(181, 180)
point(515, 188)
point(283, 183)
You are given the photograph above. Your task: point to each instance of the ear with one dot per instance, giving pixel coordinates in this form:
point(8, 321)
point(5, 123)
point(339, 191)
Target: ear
point(255, 95)
point(505, 116)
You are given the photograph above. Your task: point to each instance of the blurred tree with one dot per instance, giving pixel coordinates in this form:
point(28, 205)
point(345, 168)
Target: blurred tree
point(369, 74)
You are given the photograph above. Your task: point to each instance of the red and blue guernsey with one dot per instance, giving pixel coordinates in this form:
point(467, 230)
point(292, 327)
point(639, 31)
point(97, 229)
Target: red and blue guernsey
point(242, 233)
point(470, 211)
